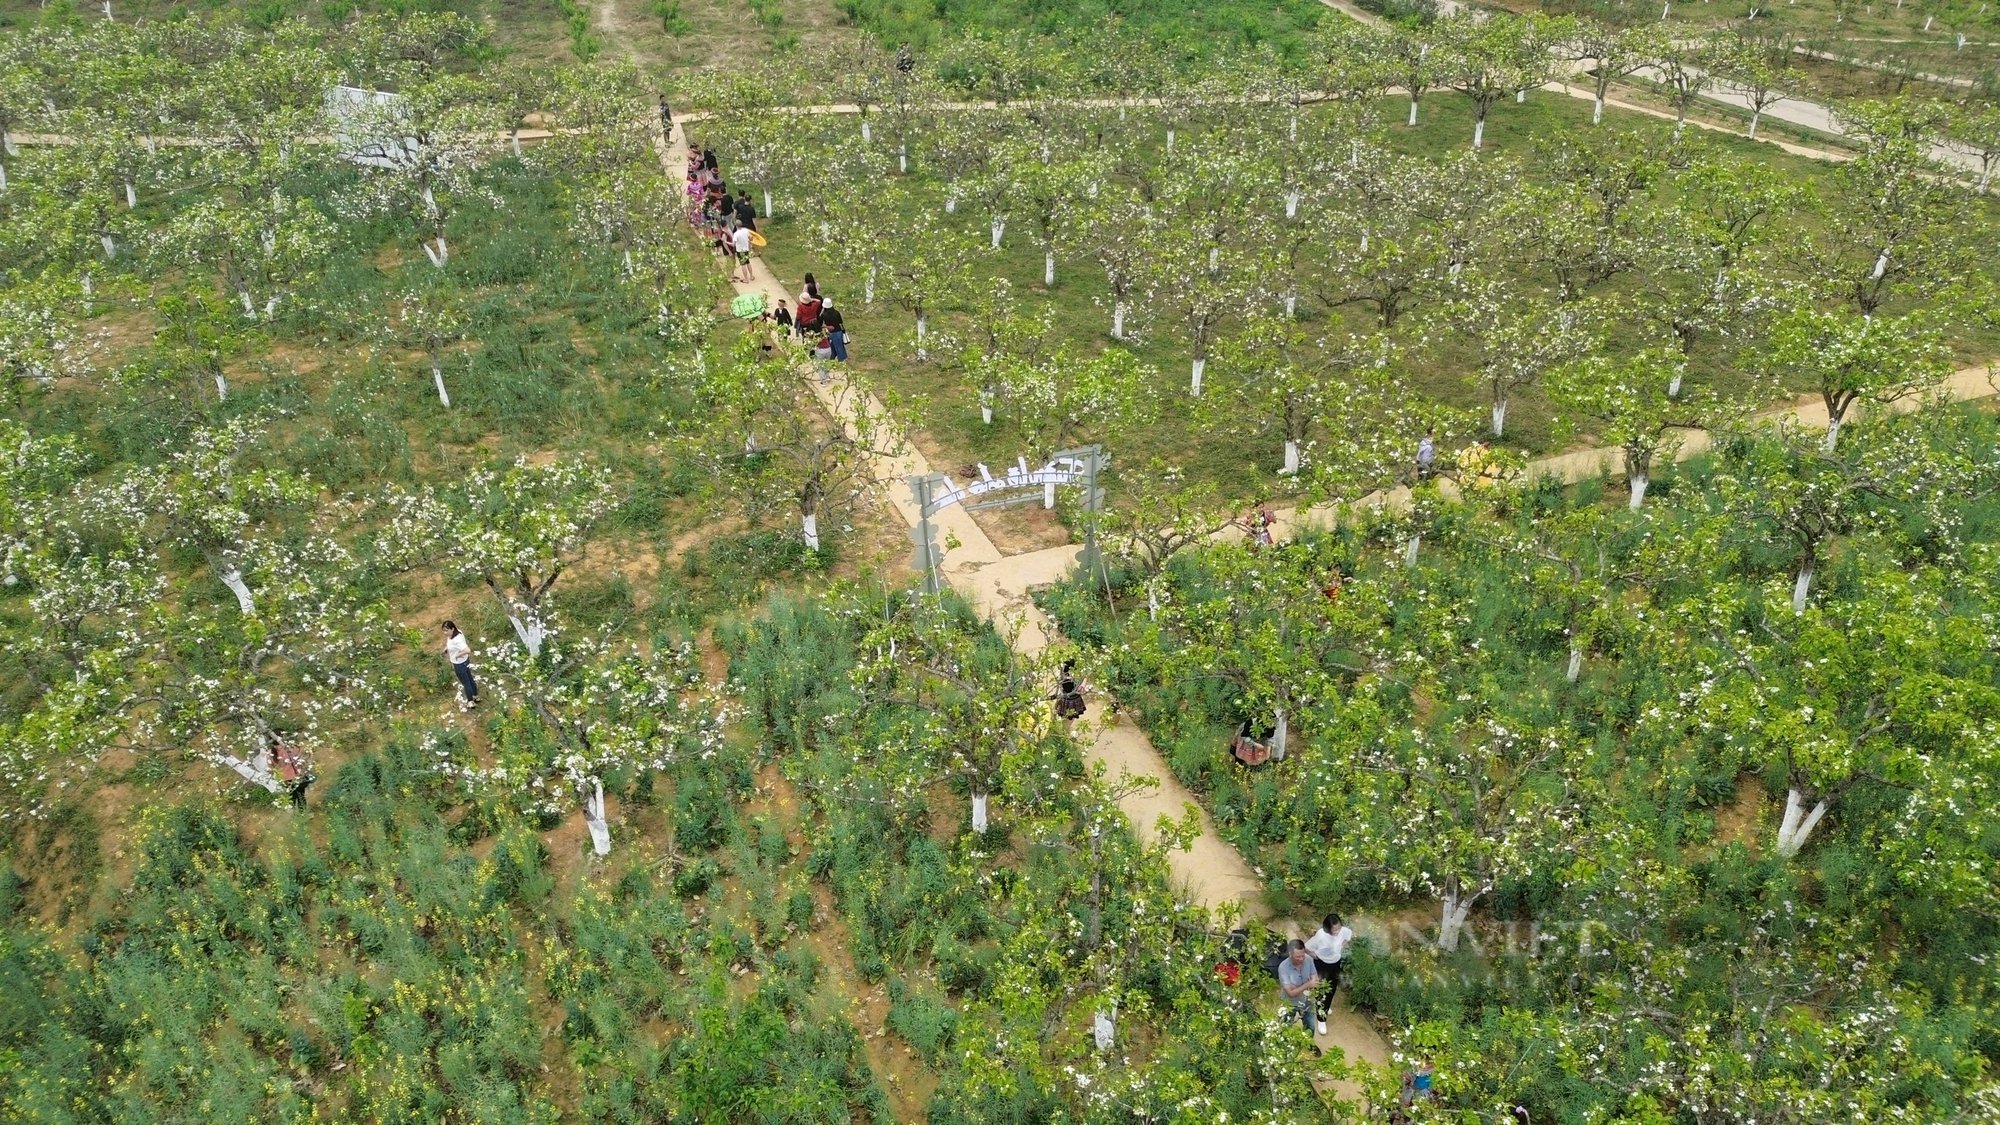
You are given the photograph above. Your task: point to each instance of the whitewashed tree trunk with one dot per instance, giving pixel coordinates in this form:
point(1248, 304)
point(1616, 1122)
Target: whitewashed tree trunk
point(1499, 417)
point(110, 245)
point(1199, 365)
point(903, 158)
point(1452, 920)
point(431, 253)
point(922, 324)
point(3, 176)
point(809, 524)
point(1674, 386)
point(1410, 549)
point(249, 307)
point(1755, 116)
point(1118, 320)
point(1214, 258)
point(270, 306)
point(1833, 424)
point(107, 9)
point(131, 197)
point(7, 143)
point(1575, 664)
point(865, 134)
point(221, 387)
point(514, 139)
point(1170, 142)
point(1364, 240)
point(1291, 459)
point(868, 287)
point(1881, 265)
point(1413, 113)
point(1521, 96)
point(437, 377)
point(979, 821)
point(768, 203)
point(1291, 305)
point(1292, 126)
point(1597, 111)
point(444, 251)
point(1048, 267)
point(1802, 586)
point(1927, 20)
point(593, 818)
point(1479, 133)
point(986, 409)
point(232, 577)
point(1798, 825)
point(529, 628)
point(1292, 198)
point(1638, 481)
point(1281, 737)
point(999, 228)
point(1104, 1029)
point(951, 203)
point(85, 279)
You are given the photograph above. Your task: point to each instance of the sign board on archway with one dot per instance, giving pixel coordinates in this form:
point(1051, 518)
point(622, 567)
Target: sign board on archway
point(934, 492)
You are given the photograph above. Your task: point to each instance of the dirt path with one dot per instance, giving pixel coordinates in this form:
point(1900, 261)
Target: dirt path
point(1212, 872)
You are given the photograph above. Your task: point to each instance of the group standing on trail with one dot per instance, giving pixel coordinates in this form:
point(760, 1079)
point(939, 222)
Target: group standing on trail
point(729, 223)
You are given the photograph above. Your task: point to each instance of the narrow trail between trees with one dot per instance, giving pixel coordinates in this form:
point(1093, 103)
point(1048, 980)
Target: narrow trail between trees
point(1211, 872)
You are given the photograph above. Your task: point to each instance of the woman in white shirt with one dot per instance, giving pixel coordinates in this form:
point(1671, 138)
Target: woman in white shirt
point(1329, 948)
point(459, 651)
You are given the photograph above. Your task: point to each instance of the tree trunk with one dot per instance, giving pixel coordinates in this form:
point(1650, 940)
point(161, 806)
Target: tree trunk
point(232, 577)
point(1118, 320)
point(131, 197)
point(1833, 424)
point(1410, 549)
point(1291, 305)
point(1214, 258)
point(1281, 737)
point(1597, 111)
point(1674, 386)
point(1755, 114)
point(221, 387)
point(868, 288)
point(437, 377)
point(110, 245)
point(1199, 364)
point(1413, 113)
point(1802, 585)
point(865, 134)
point(903, 158)
point(768, 207)
point(1170, 142)
point(1521, 96)
point(528, 628)
point(809, 524)
point(950, 203)
point(1452, 919)
point(1798, 824)
point(999, 228)
point(1292, 199)
point(514, 139)
point(1575, 664)
point(1048, 267)
point(1478, 133)
point(593, 818)
point(1291, 459)
point(249, 308)
point(1637, 480)
point(1499, 416)
point(979, 821)
point(922, 352)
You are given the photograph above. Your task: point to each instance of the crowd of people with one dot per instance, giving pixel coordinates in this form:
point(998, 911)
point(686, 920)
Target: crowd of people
point(729, 223)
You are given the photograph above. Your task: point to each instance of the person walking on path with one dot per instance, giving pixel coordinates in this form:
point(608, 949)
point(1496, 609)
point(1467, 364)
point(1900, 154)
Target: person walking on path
point(740, 241)
point(666, 120)
point(1069, 693)
point(1427, 453)
point(836, 330)
point(459, 651)
point(1296, 979)
point(1328, 945)
point(746, 211)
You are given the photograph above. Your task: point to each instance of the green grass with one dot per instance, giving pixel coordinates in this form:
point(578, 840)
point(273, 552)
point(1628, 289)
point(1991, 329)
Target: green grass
point(1186, 25)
